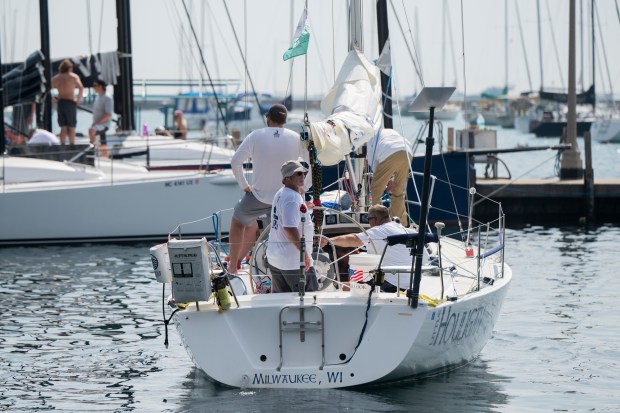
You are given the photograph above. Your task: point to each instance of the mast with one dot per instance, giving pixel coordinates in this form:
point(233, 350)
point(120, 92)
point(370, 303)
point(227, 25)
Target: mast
point(384, 35)
point(356, 40)
point(570, 166)
point(505, 43)
point(123, 92)
point(540, 59)
point(593, 58)
point(47, 64)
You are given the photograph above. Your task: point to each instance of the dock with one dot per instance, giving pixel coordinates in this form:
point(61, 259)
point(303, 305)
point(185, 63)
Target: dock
point(550, 201)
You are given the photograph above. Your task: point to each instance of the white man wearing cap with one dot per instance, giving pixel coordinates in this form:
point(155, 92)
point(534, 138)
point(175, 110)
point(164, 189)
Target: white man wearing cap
point(284, 247)
point(268, 148)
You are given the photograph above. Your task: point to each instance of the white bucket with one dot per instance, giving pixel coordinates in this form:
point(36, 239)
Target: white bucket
point(161, 263)
point(365, 263)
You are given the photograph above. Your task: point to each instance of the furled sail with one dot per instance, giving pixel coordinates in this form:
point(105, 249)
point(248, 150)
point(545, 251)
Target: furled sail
point(25, 82)
point(353, 110)
point(584, 98)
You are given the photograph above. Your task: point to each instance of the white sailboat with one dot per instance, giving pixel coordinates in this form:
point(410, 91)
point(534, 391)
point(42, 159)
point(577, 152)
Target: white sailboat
point(49, 202)
point(347, 333)
point(606, 130)
point(158, 153)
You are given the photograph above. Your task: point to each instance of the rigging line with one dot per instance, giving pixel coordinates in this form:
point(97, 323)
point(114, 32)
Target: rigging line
point(212, 36)
point(463, 55)
point(182, 37)
point(90, 32)
point(445, 167)
point(184, 40)
point(416, 59)
point(515, 179)
point(305, 75)
point(320, 55)
point(25, 37)
point(100, 26)
point(527, 64)
point(246, 98)
point(452, 51)
point(247, 72)
point(334, 44)
point(219, 107)
point(600, 31)
point(555, 46)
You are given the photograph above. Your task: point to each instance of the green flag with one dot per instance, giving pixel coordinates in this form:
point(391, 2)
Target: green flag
point(301, 38)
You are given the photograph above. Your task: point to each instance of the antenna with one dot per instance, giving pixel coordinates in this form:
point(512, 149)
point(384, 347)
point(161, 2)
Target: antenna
point(431, 99)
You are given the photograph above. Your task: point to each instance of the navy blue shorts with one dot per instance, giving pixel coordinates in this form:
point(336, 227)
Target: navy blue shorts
point(67, 113)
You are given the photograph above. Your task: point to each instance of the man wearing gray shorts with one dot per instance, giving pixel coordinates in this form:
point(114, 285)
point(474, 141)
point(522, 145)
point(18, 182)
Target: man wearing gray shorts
point(268, 148)
point(249, 209)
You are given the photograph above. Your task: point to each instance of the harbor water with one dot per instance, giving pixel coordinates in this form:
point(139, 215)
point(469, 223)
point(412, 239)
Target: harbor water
point(82, 330)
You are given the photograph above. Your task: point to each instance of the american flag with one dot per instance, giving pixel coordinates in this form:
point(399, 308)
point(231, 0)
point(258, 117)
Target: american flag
point(356, 275)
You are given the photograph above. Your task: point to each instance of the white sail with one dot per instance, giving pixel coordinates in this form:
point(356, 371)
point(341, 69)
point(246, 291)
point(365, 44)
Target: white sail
point(353, 110)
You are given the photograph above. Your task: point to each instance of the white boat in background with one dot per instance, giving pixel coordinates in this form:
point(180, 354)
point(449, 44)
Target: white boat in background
point(606, 130)
point(57, 202)
point(166, 153)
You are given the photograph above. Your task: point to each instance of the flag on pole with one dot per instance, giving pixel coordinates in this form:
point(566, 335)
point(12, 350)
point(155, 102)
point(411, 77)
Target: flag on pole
point(301, 38)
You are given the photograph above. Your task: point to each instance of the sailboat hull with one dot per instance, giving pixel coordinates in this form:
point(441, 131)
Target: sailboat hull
point(79, 211)
point(606, 130)
point(241, 347)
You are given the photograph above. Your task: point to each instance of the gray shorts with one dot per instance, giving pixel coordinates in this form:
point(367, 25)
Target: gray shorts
point(286, 281)
point(249, 209)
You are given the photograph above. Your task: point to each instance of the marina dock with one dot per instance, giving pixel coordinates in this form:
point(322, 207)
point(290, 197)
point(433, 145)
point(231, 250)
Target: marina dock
point(544, 201)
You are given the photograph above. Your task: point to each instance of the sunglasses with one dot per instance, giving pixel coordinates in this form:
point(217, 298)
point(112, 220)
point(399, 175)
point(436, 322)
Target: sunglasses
point(301, 173)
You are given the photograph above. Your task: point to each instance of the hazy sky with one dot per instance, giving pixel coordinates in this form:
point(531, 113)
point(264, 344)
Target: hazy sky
point(163, 47)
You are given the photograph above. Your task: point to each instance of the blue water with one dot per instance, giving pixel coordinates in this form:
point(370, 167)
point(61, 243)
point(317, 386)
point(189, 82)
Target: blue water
point(81, 330)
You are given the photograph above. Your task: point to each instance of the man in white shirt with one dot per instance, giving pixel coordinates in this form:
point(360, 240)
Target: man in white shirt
point(381, 226)
point(42, 137)
point(284, 247)
point(389, 155)
point(268, 148)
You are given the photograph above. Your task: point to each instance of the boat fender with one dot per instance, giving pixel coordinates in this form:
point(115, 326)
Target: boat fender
point(221, 292)
point(161, 263)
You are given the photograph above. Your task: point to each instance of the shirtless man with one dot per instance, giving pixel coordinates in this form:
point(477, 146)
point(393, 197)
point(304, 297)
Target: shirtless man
point(66, 82)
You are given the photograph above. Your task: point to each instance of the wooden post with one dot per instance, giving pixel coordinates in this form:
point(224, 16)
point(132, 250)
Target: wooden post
point(450, 139)
point(588, 179)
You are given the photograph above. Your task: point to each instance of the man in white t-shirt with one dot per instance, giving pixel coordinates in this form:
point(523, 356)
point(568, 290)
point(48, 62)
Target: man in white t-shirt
point(268, 148)
point(42, 137)
point(381, 226)
point(284, 247)
point(389, 155)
